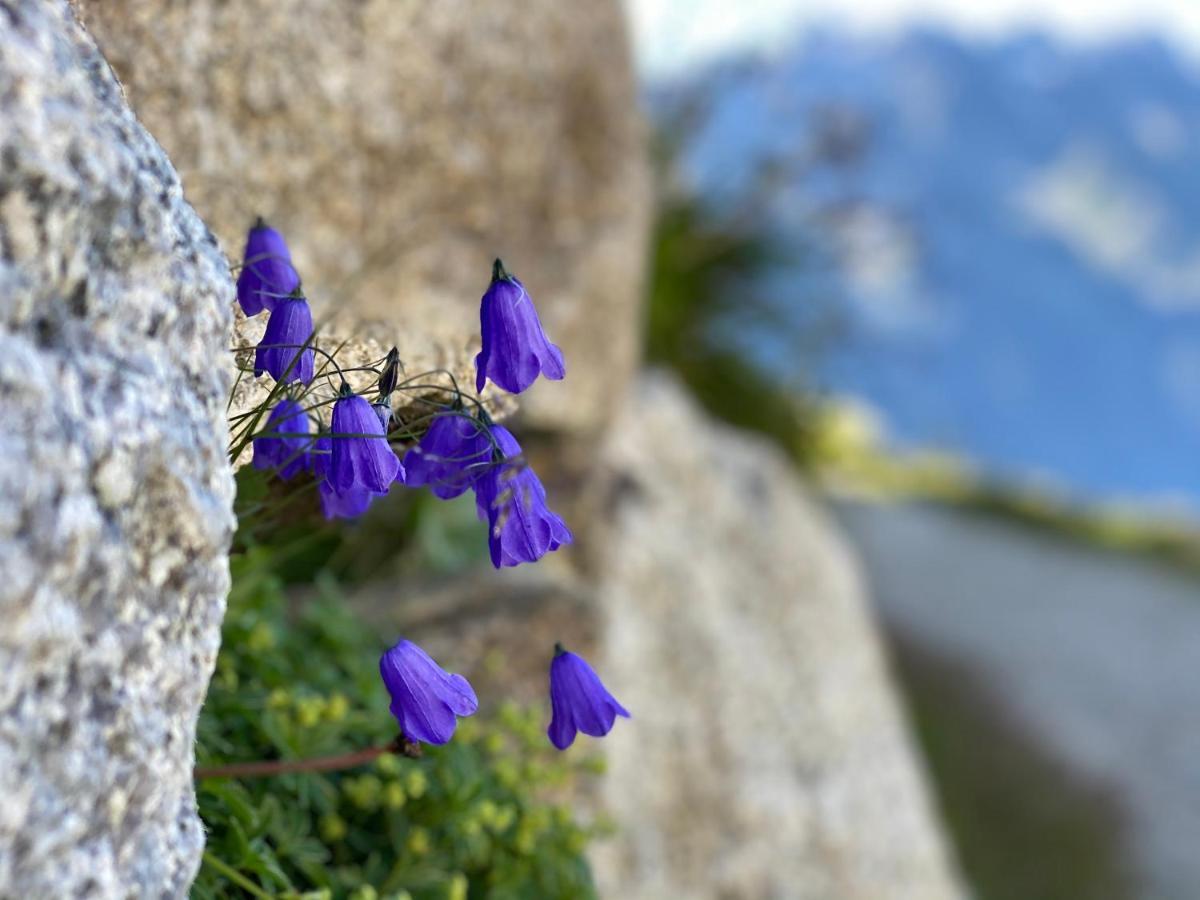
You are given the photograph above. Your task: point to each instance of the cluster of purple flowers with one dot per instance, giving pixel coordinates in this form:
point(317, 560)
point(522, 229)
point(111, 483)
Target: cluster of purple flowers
point(353, 463)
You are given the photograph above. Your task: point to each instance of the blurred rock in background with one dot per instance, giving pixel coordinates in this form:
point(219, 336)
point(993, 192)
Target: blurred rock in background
point(400, 147)
point(767, 757)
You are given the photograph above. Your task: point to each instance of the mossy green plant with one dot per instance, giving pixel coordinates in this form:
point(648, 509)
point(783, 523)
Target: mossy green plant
point(480, 817)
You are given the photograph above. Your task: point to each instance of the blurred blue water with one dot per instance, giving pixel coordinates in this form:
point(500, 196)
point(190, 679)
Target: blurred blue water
point(1017, 251)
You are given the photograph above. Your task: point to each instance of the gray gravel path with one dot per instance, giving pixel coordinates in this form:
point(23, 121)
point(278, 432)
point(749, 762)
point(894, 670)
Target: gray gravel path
point(1098, 656)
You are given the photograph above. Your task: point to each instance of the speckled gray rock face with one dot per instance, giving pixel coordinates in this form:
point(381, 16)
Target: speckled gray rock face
point(767, 757)
point(115, 492)
point(402, 145)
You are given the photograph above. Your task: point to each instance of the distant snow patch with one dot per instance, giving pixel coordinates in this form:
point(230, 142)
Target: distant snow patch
point(1115, 224)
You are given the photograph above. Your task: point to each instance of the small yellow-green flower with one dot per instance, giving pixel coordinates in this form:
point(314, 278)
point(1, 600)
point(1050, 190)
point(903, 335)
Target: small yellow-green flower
point(332, 828)
point(261, 638)
point(388, 764)
point(418, 842)
point(309, 711)
point(415, 783)
point(394, 796)
point(337, 707)
point(365, 792)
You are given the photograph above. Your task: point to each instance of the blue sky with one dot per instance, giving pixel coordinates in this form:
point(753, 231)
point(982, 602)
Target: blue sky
point(674, 35)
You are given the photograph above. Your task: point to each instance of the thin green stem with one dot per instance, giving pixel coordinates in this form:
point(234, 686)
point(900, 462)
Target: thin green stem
point(236, 877)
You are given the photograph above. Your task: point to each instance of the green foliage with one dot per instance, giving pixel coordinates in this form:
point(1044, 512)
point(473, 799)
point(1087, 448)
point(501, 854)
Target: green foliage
point(408, 532)
point(706, 304)
point(476, 818)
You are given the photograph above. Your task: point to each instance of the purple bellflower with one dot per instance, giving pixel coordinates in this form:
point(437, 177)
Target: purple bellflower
point(361, 456)
point(348, 505)
point(521, 528)
point(578, 700)
point(335, 504)
point(267, 271)
point(426, 699)
point(282, 446)
point(289, 329)
point(515, 349)
point(451, 456)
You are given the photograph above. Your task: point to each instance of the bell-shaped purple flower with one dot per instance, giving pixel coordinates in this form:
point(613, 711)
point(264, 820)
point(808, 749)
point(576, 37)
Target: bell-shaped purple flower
point(426, 699)
point(453, 453)
point(282, 445)
point(286, 347)
point(361, 456)
point(515, 349)
point(521, 528)
point(336, 504)
point(267, 271)
point(578, 700)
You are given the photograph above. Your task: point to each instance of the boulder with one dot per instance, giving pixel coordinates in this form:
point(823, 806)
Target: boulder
point(401, 146)
point(767, 755)
point(115, 489)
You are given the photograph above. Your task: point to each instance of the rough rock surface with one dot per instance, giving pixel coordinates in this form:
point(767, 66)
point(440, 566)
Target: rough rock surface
point(401, 146)
point(115, 494)
point(766, 757)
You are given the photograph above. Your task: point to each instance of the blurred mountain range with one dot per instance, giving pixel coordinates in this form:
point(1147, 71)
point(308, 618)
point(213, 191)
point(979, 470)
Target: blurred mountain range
point(1010, 232)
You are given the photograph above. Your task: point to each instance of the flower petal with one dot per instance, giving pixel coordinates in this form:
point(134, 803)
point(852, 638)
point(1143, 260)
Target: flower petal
point(425, 699)
point(515, 347)
point(579, 698)
point(361, 456)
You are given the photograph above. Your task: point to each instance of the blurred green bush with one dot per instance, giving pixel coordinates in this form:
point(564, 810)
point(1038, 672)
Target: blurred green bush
point(707, 305)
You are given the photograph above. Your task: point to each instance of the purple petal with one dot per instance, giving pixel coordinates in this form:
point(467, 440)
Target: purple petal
point(515, 347)
point(361, 456)
point(562, 728)
point(459, 695)
point(288, 455)
point(426, 699)
point(267, 272)
point(451, 456)
point(344, 504)
point(577, 696)
point(521, 528)
point(280, 352)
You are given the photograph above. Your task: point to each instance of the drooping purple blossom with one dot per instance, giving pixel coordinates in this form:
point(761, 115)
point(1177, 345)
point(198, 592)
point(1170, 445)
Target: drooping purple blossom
point(336, 504)
point(267, 271)
point(286, 347)
point(361, 456)
point(579, 700)
point(515, 348)
point(426, 699)
point(521, 528)
point(451, 456)
point(282, 445)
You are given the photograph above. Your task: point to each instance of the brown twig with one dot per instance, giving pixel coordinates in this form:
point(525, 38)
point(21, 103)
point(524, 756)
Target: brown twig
point(401, 746)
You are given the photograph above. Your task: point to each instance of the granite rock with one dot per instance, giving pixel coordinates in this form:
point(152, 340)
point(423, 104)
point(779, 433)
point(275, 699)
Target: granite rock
point(115, 490)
